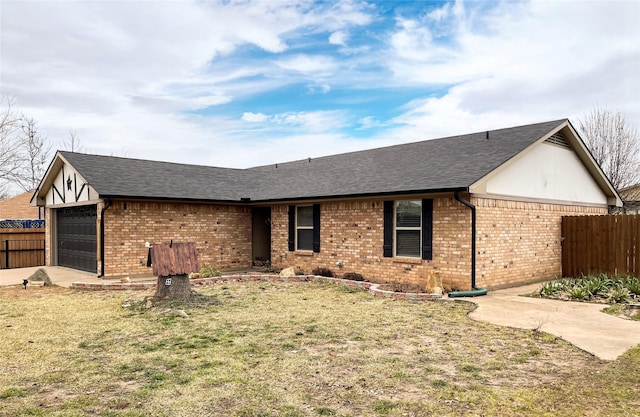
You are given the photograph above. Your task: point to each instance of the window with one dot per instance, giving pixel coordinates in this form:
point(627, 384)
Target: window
point(408, 228)
point(304, 228)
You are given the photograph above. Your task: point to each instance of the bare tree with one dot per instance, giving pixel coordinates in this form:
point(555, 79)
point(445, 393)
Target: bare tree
point(614, 144)
point(4, 192)
point(23, 151)
point(73, 143)
point(33, 154)
point(9, 146)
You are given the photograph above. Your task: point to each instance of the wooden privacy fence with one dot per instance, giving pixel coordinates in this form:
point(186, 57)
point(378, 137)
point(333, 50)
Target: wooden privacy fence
point(21, 248)
point(601, 244)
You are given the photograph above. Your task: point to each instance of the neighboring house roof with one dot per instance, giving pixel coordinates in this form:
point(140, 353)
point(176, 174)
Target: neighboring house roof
point(631, 193)
point(18, 208)
point(437, 165)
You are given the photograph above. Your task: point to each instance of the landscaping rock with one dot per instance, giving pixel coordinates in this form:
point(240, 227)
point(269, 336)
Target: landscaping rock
point(40, 275)
point(288, 272)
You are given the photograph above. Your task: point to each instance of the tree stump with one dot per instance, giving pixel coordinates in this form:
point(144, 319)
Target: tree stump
point(173, 287)
point(173, 263)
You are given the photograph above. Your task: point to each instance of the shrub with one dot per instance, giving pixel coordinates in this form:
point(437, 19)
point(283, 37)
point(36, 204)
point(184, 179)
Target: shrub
point(549, 289)
point(618, 294)
point(209, 271)
point(595, 285)
point(323, 272)
point(354, 276)
point(633, 285)
point(578, 292)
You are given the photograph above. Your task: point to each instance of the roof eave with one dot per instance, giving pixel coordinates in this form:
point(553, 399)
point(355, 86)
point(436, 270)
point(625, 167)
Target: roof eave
point(381, 194)
point(175, 198)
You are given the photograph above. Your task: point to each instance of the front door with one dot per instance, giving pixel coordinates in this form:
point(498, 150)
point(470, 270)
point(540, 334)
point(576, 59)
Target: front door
point(261, 235)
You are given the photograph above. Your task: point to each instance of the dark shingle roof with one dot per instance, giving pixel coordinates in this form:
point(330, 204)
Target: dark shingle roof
point(429, 166)
point(433, 165)
point(124, 177)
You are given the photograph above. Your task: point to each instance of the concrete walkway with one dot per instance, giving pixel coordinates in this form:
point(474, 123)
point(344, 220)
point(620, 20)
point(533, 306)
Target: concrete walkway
point(581, 324)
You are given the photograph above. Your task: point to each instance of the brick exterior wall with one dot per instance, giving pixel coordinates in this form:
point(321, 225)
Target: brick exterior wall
point(222, 233)
point(352, 232)
point(519, 242)
point(18, 208)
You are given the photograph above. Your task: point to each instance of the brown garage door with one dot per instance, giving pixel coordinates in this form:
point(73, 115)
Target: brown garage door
point(76, 229)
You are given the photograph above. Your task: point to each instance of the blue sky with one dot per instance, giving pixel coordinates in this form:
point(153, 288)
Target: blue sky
point(246, 83)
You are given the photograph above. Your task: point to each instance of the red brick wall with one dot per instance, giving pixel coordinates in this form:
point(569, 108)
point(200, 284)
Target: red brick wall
point(519, 242)
point(222, 233)
point(352, 232)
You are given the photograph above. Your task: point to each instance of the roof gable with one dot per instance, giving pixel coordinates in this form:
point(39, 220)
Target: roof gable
point(562, 169)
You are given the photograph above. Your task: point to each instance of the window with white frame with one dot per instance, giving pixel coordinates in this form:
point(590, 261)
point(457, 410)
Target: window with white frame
point(304, 228)
point(408, 228)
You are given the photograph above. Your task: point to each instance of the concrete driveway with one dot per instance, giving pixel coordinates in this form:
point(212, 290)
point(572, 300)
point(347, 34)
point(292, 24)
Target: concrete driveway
point(581, 324)
point(59, 275)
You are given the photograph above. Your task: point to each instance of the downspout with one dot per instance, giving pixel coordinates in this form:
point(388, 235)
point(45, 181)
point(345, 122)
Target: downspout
point(474, 290)
point(104, 208)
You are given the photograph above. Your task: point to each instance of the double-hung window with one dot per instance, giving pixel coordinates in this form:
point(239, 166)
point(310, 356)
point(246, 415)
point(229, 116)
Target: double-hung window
point(408, 233)
point(408, 228)
point(304, 228)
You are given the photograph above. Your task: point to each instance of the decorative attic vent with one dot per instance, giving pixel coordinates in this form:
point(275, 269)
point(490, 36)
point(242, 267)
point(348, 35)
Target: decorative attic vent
point(559, 140)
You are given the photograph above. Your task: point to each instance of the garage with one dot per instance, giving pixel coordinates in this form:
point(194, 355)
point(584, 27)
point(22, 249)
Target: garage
point(76, 231)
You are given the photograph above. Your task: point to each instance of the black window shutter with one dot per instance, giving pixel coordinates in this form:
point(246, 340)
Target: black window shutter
point(316, 227)
point(427, 228)
point(387, 245)
point(292, 228)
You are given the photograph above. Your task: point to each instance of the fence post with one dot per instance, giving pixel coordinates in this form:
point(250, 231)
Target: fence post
point(6, 253)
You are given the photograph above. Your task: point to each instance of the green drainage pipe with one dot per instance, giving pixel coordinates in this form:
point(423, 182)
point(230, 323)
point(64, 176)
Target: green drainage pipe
point(475, 291)
point(471, 293)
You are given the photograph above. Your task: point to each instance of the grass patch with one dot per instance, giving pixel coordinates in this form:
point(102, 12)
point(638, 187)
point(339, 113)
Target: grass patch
point(12, 392)
point(289, 349)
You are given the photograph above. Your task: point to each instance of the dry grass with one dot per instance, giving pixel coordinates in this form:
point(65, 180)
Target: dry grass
point(289, 349)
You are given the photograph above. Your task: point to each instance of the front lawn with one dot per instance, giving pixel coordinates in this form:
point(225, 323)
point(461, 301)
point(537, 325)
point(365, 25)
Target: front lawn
point(289, 349)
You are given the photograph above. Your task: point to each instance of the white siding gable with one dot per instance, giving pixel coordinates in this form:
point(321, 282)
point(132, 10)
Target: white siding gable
point(544, 172)
point(69, 188)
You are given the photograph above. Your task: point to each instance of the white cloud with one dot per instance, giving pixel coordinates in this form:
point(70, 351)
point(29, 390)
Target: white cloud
point(254, 117)
point(317, 121)
point(519, 63)
point(338, 38)
point(309, 64)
